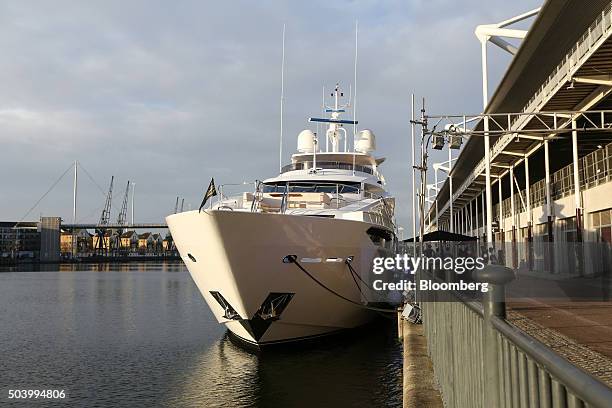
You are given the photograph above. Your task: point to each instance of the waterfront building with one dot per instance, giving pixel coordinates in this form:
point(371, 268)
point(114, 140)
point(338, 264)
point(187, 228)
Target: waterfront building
point(167, 243)
point(538, 193)
point(109, 240)
point(81, 238)
point(145, 242)
point(158, 242)
point(19, 239)
point(129, 240)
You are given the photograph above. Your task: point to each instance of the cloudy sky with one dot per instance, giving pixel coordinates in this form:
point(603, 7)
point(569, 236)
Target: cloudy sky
point(169, 94)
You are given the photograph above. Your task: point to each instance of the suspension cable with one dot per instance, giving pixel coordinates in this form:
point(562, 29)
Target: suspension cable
point(44, 195)
point(92, 179)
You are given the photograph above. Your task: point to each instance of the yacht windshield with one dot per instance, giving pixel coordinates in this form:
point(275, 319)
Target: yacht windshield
point(309, 187)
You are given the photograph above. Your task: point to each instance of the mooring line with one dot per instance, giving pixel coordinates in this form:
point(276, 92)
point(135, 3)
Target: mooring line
point(293, 259)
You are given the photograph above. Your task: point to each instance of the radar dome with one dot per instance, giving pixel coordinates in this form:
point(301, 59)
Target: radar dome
point(366, 141)
point(306, 141)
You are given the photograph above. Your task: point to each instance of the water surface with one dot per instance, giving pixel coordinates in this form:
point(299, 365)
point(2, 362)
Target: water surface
point(141, 335)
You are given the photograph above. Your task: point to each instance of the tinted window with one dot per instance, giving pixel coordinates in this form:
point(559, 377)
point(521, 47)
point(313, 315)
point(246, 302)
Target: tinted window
point(331, 188)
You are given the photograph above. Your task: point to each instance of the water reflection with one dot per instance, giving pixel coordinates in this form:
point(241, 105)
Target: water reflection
point(358, 372)
point(128, 338)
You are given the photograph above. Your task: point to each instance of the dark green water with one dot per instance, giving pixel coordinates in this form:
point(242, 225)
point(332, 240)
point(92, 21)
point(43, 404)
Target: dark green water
point(140, 335)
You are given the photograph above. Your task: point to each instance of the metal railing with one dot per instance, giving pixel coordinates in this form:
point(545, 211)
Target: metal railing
point(341, 195)
point(480, 360)
point(337, 192)
point(595, 34)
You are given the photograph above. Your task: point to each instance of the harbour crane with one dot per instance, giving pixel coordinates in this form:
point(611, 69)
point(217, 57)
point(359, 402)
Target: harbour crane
point(105, 218)
point(122, 217)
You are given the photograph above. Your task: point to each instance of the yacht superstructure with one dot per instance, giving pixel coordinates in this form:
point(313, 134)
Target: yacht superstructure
point(292, 258)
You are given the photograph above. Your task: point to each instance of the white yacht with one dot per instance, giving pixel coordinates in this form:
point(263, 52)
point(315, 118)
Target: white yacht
point(292, 259)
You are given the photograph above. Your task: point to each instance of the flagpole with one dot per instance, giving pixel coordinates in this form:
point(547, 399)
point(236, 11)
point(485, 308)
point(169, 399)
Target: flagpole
point(211, 191)
point(282, 102)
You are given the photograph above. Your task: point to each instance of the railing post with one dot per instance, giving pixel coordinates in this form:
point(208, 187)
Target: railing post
point(493, 304)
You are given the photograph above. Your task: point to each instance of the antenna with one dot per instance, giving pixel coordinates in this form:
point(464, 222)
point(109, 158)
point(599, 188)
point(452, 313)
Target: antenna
point(282, 101)
point(355, 81)
point(355, 97)
point(322, 115)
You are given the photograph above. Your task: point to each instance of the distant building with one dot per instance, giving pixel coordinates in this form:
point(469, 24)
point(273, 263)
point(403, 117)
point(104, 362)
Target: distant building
point(83, 241)
point(168, 243)
point(158, 242)
point(129, 240)
point(109, 241)
point(19, 239)
point(145, 241)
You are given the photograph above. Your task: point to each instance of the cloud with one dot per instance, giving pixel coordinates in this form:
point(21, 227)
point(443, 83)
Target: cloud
point(168, 96)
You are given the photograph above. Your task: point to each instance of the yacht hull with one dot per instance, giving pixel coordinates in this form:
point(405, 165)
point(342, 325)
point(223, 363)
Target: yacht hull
point(236, 260)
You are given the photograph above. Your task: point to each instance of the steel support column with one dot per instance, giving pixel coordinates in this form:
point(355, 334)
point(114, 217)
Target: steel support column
point(436, 197)
point(476, 215)
point(500, 212)
point(487, 147)
point(549, 204)
point(576, 170)
point(450, 183)
point(577, 200)
point(550, 258)
point(471, 220)
point(529, 215)
point(513, 215)
point(484, 212)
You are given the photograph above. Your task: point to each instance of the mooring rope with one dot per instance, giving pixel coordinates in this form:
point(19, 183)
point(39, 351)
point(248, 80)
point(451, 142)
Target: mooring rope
point(354, 272)
point(355, 280)
point(293, 259)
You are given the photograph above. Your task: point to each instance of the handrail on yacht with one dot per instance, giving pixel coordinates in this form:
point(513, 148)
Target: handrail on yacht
point(291, 199)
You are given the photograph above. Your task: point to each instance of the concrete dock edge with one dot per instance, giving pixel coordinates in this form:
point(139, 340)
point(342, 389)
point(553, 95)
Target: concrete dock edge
point(419, 385)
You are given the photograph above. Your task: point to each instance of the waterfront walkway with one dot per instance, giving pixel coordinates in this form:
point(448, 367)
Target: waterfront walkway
point(581, 332)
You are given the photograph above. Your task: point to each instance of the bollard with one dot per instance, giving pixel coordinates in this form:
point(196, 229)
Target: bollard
point(493, 304)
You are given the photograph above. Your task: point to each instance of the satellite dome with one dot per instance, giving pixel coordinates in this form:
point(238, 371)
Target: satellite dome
point(306, 141)
point(366, 141)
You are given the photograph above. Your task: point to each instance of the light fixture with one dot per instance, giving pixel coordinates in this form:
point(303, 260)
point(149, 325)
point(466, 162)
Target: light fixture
point(571, 85)
point(438, 142)
point(455, 142)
